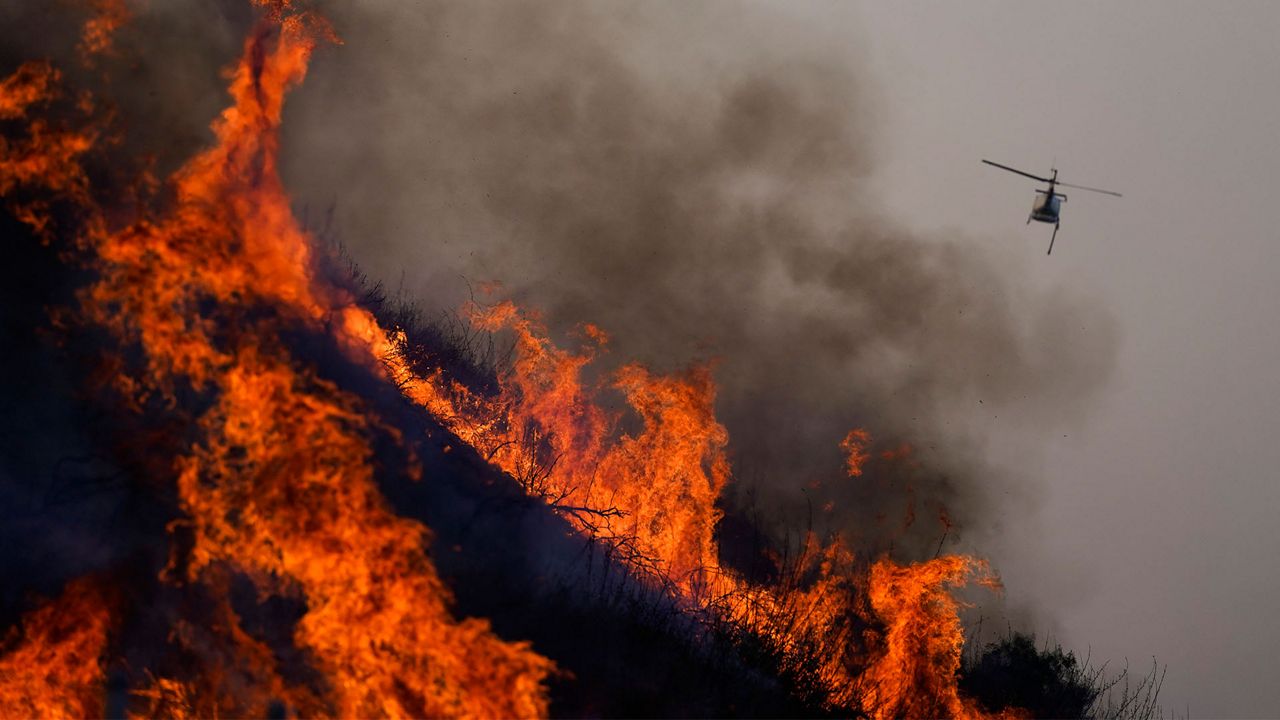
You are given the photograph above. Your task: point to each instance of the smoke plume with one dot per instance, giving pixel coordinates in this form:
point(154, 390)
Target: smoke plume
point(696, 180)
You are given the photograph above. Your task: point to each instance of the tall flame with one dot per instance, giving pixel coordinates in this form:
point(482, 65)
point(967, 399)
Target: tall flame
point(914, 672)
point(664, 479)
point(285, 451)
point(53, 668)
point(281, 486)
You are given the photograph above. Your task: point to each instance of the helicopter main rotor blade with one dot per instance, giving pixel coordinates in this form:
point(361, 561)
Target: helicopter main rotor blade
point(1097, 190)
point(1015, 170)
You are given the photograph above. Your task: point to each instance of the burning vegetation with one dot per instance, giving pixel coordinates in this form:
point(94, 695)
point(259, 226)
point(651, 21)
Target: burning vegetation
point(326, 509)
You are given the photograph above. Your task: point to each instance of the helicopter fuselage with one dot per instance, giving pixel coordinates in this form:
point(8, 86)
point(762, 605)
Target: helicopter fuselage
point(1046, 207)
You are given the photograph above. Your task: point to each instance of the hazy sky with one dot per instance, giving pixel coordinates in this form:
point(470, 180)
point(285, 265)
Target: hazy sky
point(1157, 531)
point(1143, 524)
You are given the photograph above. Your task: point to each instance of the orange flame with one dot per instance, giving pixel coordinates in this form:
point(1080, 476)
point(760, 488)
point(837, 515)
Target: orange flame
point(30, 84)
point(54, 667)
point(855, 448)
point(914, 673)
point(664, 480)
point(48, 157)
point(97, 33)
point(654, 492)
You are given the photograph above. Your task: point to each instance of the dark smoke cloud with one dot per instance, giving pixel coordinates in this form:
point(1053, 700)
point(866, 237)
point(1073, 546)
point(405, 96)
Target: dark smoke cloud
point(695, 180)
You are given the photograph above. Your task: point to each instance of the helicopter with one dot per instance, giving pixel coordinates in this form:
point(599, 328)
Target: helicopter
point(1047, 206)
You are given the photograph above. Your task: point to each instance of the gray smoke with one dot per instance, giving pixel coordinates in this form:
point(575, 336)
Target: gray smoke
point(694, 178)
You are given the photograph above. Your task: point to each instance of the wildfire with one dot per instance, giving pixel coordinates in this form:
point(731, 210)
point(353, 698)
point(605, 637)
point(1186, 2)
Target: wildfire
point(277, 482)
point(855, 448)
point(280, 486)
point(666, 480)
